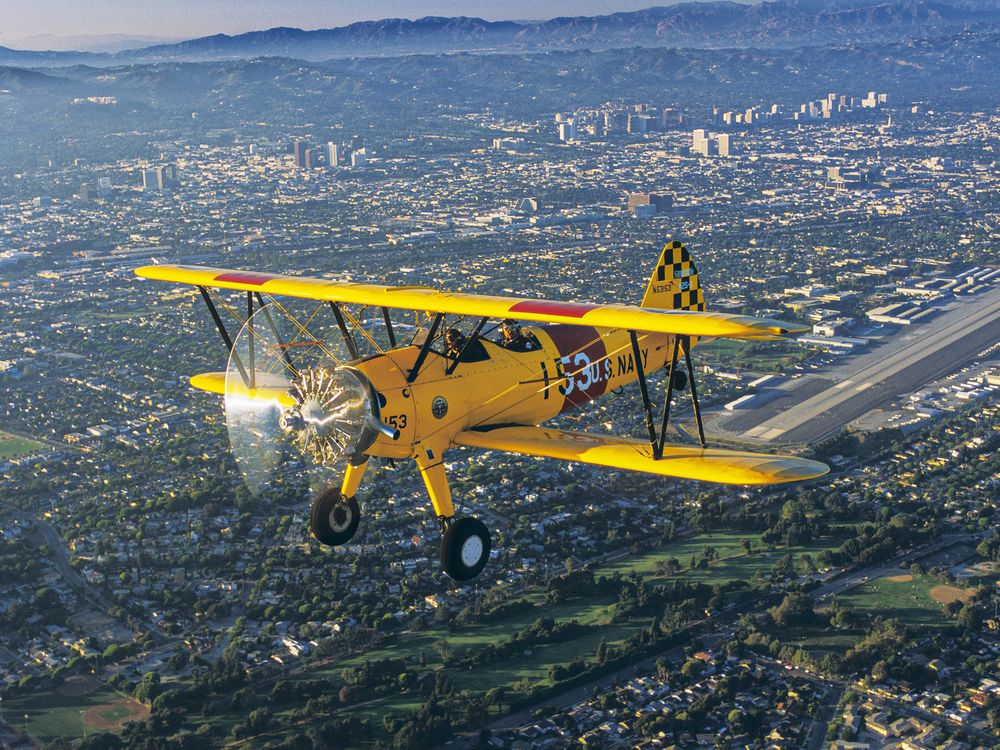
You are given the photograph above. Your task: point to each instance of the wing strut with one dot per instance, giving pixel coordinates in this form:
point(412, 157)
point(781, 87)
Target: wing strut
point(388, 327)
point(425, 349)
point(342, 325)
point(694, 390)
point(251, 367)
point(647, 407)
point(658, 442)
point(277, 336)
point(670, 396)
point(225, 335)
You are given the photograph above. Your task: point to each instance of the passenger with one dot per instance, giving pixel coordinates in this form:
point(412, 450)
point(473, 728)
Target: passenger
point(514, 339)
point(464, 349)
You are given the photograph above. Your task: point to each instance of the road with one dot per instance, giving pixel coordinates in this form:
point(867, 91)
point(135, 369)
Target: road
point(46, 533)
point(905, 363)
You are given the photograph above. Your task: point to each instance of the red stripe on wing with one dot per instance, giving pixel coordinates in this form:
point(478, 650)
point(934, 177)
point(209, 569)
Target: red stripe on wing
point(245, 277)
point(567, 309)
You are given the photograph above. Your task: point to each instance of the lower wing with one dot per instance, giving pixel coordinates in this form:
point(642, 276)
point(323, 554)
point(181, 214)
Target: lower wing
point(682, 461)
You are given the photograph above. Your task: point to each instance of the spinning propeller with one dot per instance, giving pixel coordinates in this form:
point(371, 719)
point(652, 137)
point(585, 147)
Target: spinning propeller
point(294, 412)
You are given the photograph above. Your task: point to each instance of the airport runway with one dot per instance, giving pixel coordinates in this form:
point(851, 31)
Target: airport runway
point(910, 360)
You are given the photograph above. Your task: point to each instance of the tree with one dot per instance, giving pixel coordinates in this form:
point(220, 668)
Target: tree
point(807, 560)
point(494, 697)
point(692, 668)
point(148, 687)
point(747, 546)
point(442, 648)
point(968, 618)
point(735, 719)
point(602, 651)
point(795, 608)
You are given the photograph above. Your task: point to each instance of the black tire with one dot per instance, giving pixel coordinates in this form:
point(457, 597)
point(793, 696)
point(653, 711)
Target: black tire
point(465, 548)
point(334, 518)
point(680, 380)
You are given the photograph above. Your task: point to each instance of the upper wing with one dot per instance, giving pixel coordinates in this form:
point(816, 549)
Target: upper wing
point(682, 461)
point(630, 317)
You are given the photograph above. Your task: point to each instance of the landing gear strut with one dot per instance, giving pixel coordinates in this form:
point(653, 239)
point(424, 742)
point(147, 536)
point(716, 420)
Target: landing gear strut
point(465, 548)
point(334, 518)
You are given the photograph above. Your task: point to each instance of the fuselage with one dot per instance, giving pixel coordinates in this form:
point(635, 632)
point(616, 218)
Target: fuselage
point(573, 366)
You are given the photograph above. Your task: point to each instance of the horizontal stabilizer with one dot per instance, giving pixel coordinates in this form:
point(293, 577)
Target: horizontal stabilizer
point(629, 317)
point(681, 461)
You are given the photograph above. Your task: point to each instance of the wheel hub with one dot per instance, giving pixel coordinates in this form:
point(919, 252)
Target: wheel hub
point(340, 517)
point(472, 551)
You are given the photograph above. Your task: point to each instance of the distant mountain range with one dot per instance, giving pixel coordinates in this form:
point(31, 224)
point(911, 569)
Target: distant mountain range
point(110, 43)
point(711, 25)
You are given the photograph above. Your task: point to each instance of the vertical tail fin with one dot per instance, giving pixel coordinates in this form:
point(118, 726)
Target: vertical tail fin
point(674, 284)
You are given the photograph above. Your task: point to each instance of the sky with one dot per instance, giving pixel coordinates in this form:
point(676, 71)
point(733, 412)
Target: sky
point(175, 19)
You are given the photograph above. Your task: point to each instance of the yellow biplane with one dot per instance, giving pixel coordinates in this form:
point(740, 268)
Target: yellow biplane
point(412, 390)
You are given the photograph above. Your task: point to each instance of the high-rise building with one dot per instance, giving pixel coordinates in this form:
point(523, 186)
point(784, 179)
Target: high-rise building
point(104, 187)
point(332, 154)
point(155, 179)
point(657, 201)
point(152, 180)
point(299, 152)
point(700, 143)
point(359, 158)
point(614, 121)
point(310, 158)
point(567, 131)
point(638, 124)
point(725, 146)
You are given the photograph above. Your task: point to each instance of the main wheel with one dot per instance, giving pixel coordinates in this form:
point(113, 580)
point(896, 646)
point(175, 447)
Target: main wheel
point(465, 548)
point(334, 518)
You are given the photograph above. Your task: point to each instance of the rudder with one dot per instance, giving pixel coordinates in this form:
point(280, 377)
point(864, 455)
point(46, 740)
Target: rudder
point(674, 284)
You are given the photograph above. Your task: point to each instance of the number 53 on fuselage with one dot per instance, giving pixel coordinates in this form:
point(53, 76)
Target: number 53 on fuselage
point(418, 396)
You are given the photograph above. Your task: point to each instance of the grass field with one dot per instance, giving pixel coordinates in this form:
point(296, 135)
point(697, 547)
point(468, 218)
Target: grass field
point(907, 597)
point(915, 600)
point(733, 564)
point(12, 446)
point(60, 713)
point(818, 640)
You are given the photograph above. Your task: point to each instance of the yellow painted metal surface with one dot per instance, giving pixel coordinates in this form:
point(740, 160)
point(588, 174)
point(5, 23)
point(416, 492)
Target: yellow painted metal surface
point(628, 317)
point(215, 382)
point(681, 461)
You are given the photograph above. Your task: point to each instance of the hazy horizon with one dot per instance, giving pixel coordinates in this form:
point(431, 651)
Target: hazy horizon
point(173, 20)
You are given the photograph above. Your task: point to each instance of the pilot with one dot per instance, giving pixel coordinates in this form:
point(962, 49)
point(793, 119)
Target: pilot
point(513, 338)
point(462, 348)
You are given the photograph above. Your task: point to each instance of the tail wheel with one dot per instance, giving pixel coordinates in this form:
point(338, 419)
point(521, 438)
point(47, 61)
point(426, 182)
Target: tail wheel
point(465, 548)
point(334, 518)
